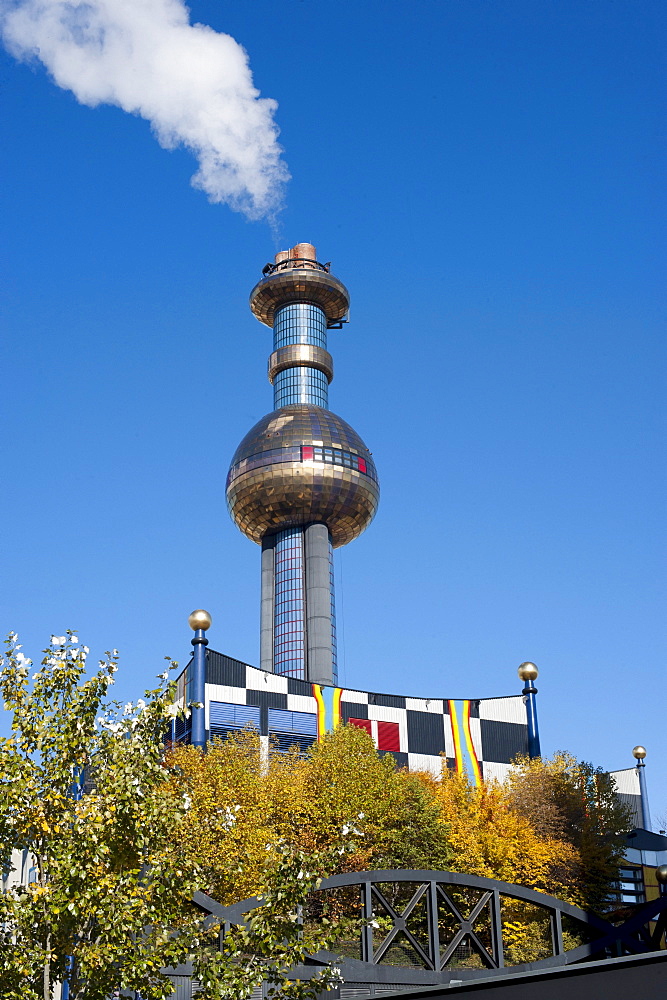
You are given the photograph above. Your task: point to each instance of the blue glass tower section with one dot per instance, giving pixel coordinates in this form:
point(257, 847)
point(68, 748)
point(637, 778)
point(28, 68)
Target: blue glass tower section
point(299, 323)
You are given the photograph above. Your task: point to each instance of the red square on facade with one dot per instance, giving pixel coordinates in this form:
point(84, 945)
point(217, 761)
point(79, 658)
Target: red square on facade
point(306, 453)
point(388, 737)
point(361, 724)
point(362, 465)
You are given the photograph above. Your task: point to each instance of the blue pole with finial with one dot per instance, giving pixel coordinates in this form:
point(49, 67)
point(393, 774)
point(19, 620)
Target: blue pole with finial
point(528, 673)
point(639, 753)
point(198, 621)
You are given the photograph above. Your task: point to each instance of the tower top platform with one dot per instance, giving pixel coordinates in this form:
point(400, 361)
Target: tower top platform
point(297, 276)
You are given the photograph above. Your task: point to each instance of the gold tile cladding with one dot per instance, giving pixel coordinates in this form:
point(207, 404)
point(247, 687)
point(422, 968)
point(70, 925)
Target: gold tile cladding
point(286, 492)
point(299, 284)
point(300, 356)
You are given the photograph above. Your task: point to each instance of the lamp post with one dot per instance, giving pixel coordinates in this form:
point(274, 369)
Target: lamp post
point(198, 621)
point(639, 753)
point(528, 673)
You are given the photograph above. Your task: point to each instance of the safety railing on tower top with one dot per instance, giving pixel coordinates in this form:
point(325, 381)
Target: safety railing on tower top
point(295, 262)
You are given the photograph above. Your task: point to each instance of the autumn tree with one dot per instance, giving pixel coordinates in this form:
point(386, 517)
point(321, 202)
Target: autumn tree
point(307, 801)
point(408, 820)
point(232, 780)
point(575, 802)
point(490, 838)
point(553, 826)
point(403, 822)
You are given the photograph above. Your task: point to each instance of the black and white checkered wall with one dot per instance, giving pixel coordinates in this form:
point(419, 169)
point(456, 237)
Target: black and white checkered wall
point(417, 731)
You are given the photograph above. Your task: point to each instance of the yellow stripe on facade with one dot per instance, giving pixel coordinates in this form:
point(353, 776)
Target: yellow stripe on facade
point(321, 711)
point(453, 718)
point(469, 743)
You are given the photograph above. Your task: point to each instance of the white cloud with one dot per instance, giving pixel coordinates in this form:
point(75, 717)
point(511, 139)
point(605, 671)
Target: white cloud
point(193, 84)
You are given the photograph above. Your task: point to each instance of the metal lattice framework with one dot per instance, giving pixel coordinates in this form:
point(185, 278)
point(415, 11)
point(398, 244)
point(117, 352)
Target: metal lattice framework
point(425, 927)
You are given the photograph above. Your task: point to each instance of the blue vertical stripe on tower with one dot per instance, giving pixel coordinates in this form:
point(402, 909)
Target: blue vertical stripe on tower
point(289, 656)
point(300, 323)
point(334, 650)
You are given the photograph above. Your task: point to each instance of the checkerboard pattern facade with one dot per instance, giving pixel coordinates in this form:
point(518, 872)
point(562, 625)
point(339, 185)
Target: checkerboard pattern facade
point(480, 736)
point(628, 791)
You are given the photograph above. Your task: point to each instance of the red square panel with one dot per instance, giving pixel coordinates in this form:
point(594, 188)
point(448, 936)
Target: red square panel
point(306, 453)
point(361, 724)
point(362, 465)
point(388, 738)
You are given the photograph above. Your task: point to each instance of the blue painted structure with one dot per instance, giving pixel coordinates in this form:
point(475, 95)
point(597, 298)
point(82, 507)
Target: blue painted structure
point(643, 793)
point(529, 692)
point(198, 689)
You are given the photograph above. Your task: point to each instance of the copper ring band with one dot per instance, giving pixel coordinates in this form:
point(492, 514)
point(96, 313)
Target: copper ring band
point(300, 356)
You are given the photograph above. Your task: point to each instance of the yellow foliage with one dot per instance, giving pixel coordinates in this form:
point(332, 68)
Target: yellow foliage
point(489, 838)
point(306, 801)
point(236, 813)
point(408, 820)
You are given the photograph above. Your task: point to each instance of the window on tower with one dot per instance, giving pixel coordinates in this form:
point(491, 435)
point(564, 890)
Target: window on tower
point(303, 453)
point(334, 456)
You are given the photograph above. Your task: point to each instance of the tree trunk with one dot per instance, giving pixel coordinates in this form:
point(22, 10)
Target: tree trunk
point(47, 968)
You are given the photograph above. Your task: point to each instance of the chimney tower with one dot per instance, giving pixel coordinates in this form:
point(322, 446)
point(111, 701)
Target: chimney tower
point(301, 482)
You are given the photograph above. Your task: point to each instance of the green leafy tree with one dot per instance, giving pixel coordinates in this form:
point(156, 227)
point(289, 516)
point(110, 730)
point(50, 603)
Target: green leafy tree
point(109, 909)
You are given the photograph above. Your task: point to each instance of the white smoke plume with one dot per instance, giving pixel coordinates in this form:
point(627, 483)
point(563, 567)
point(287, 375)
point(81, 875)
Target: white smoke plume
point(193, 84)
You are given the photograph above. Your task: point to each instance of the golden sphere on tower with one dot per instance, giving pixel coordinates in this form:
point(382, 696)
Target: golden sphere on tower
point(528, 671)
point(199, 619)
point(639, 753)
point(302, 465)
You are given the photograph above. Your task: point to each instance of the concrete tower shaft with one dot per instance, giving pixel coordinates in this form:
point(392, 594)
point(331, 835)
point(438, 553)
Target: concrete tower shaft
point(302, 481)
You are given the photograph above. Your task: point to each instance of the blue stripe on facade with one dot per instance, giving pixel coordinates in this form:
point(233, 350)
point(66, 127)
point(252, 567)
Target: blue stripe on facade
point(468, 765)
point(229, 716)
point(281, 721)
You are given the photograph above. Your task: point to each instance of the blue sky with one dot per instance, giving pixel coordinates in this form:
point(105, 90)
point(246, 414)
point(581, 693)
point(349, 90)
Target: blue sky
point(486, 179)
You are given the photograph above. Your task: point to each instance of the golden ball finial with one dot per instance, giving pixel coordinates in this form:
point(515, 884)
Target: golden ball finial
point(199, 619)
point(528, 671)
point(661, 874)
point(639, 753)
